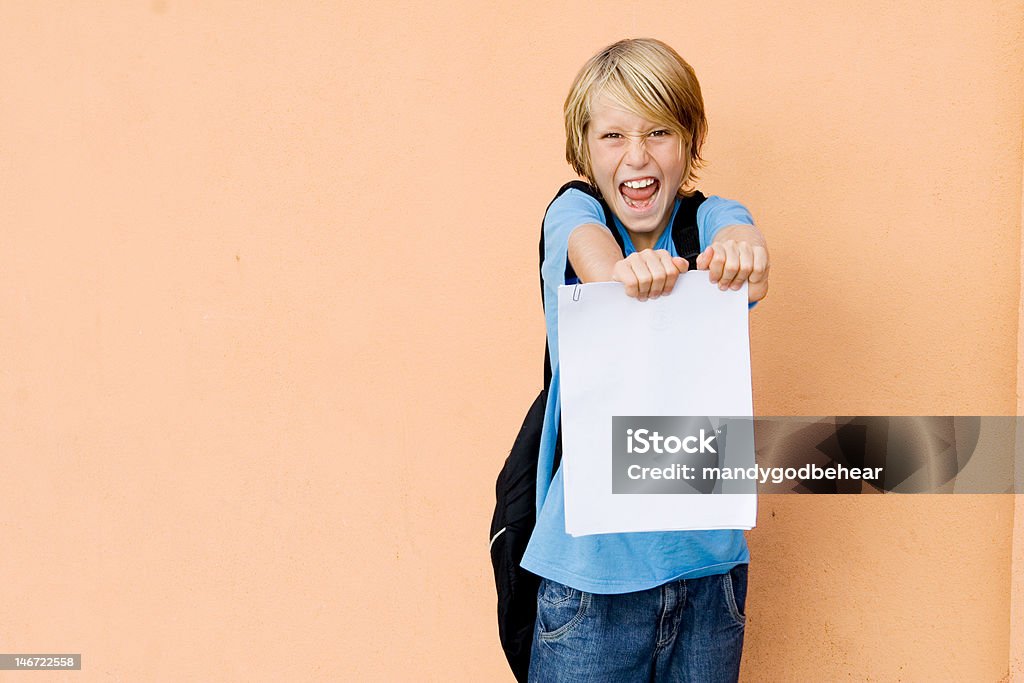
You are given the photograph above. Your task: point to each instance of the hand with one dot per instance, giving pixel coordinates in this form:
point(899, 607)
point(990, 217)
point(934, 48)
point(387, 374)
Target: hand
point(648, 274)
point(730, 263)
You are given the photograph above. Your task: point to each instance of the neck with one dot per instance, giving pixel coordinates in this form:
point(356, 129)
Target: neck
point(645, 240)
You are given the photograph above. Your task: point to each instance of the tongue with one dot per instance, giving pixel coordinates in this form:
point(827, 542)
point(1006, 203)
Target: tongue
point(641, 194)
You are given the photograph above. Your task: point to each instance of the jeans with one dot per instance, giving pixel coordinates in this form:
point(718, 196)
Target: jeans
point(685, 630)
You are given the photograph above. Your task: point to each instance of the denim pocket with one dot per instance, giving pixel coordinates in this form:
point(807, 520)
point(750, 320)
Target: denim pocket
point(560, 609)
point(734, 584)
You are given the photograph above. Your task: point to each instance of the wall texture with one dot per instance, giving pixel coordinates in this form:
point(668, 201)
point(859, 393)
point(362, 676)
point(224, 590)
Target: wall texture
point(269, 321)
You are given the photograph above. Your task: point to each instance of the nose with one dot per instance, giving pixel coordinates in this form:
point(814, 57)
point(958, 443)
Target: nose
point(636, 154)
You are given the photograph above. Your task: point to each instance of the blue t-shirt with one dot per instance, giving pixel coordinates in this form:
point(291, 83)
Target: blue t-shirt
point(623, 562)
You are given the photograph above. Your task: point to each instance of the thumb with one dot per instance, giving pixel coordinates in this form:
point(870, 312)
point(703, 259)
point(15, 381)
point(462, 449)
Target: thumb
point(705, 258)
point(681, 264)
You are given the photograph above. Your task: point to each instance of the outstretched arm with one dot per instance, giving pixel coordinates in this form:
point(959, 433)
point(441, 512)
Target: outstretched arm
point(595, 256)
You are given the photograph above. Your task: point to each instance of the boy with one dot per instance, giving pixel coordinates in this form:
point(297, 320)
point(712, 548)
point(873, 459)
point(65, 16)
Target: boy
point(655, 605)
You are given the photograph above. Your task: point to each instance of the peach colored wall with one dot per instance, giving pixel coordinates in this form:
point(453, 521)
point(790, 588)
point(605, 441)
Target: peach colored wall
point(1017, 578)
point(269, 320)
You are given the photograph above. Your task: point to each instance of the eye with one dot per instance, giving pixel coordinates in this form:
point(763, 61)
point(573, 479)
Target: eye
point(610, 136)
point(660, 133)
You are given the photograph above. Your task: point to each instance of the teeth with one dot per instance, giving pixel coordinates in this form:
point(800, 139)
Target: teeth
point(637, 205)
point(637, 184)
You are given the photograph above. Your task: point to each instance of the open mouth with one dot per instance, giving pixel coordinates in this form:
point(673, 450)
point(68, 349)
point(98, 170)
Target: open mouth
point(639, 194)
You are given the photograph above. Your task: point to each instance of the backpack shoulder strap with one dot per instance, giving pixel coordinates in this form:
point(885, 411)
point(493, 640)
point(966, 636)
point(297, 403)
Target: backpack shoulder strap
point(684, 229)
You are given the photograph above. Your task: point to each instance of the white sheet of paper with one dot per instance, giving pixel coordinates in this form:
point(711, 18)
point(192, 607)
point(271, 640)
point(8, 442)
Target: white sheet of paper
point(687, 353)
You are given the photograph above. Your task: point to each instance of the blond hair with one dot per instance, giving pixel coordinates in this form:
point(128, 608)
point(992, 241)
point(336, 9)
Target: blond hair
point(647, 78)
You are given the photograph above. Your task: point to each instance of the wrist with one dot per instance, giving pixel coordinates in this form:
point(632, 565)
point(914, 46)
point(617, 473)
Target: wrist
point(741, 233)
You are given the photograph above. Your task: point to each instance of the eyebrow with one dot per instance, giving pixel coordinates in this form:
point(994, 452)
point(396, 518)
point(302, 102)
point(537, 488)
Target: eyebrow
point(621, 129)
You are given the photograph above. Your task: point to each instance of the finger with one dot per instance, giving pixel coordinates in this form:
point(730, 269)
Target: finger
point(760, 270)
point(717, 262)
point(656, 262)
point(746, 255)
point(668, 262)
point(624, 273)
point(730, 264)
point(643, 276)
point(681, 264)
point(705, 257)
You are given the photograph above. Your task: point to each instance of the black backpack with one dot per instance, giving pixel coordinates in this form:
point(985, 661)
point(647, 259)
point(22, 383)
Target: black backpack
point(516, 489)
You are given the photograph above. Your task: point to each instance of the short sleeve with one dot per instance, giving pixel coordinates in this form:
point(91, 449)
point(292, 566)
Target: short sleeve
point(714, 213)
point(569, 211)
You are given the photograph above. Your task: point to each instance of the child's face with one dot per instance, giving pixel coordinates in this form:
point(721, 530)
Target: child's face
point(625, 148)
